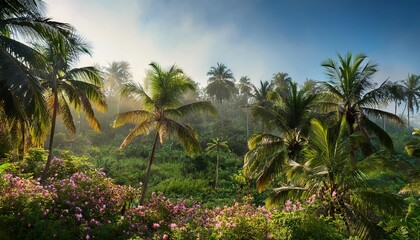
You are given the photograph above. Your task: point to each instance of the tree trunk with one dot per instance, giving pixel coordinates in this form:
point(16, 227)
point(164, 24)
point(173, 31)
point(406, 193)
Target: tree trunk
point(217, 171)
point(149, 169)
point(50, 146)
point(395, 107)
point(408, 118)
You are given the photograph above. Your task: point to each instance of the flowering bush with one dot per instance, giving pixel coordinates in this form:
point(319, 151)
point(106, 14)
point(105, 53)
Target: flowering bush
point(81, 205)
point(90, 206)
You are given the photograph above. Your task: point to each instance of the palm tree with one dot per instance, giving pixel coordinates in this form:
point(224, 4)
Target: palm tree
point(116, 74)
point(21, 96)
point(221, 83)
point(340, 187)
point(260, 94)
point(160, 109)
point(216, 146)
point(411, 87)
point(396, 91)
point(281, 80)
point(288, 115)
point(67, 86)
point(352, 94)
point(245, 86)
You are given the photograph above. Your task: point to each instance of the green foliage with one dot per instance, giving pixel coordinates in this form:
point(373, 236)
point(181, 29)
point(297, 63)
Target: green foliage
point(303, 225)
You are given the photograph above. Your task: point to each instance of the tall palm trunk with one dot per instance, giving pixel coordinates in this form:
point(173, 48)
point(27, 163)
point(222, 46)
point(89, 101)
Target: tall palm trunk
point(149, 169)
point(408, 117)
point(50, 146)
point(217, 169)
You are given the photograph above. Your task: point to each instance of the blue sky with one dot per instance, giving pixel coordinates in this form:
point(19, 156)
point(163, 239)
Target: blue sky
point(252, 37)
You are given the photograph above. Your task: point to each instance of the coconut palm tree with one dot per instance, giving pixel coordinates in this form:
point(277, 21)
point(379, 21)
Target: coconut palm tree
point(411, 87)
point(260, 93)
point(340, 187)
point(21, 96)
point(216, 145)
point(116, 74)
point(281, 80)
point(67, 87)
point(396, 91)
point(245, 86)
point(221, 83)
point(160, 110)
point(288, 118)
point(351, 93)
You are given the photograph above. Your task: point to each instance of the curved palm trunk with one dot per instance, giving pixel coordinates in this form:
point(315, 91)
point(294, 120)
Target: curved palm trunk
point(149, 170)
point(50, 146)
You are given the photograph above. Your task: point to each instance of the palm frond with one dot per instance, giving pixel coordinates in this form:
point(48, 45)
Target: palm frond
point(281, 194)
point(383, 114)
point(66, 115)
point(382, 135)
point(86, 74)
point(387, 203)
point(136, 116)
point(411, 188)
point(142, 128)
point(195, 107)
point(185, 133)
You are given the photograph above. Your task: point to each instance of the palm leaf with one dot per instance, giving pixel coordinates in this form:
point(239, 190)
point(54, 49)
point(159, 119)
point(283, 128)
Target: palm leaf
point(195, 107)
point(66, 115)
point(136, 116)
point(281, 194)
point(142, 128)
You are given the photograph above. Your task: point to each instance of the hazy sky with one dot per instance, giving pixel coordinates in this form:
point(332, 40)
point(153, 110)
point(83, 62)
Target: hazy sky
point(252, 37)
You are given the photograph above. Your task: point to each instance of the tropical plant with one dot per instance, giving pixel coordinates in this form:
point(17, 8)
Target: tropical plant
point(260, 94)
point(351, 93)
point(116, 74)
point(245, 86)
point(221, 83)
point(412, 148)
point(160, 108)
point(21, 97)
point(216, 145)
point(342, 188)
point(281, 80)
point(67, 87)
point(288, 115)
point(396, 91)
point(411, 87)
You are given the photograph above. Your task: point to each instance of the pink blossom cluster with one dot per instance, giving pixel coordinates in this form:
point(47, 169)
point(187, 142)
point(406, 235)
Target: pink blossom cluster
point(90, 202)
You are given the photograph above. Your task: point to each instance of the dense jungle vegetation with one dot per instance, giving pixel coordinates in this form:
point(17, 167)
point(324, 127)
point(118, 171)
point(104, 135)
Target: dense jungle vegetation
point(91, 153)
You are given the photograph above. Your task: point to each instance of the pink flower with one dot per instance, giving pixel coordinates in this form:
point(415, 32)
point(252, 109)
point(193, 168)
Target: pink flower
point(79, 216)
point(173, 226)
point(156, 225)
point(334, 194)
point(87, 236)
point(165, 236)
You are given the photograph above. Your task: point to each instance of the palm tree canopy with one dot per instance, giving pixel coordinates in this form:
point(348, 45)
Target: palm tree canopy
point(288, 115)
point(281, 80)
point(160, 107)
point(352, 93)
point(260, 94)
point(79, 88)
point(328, 173)
point(411, 87)
point(20, 91)
point(221, 82)
point(245, 85)
point(116, 74)
point(217, 145)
